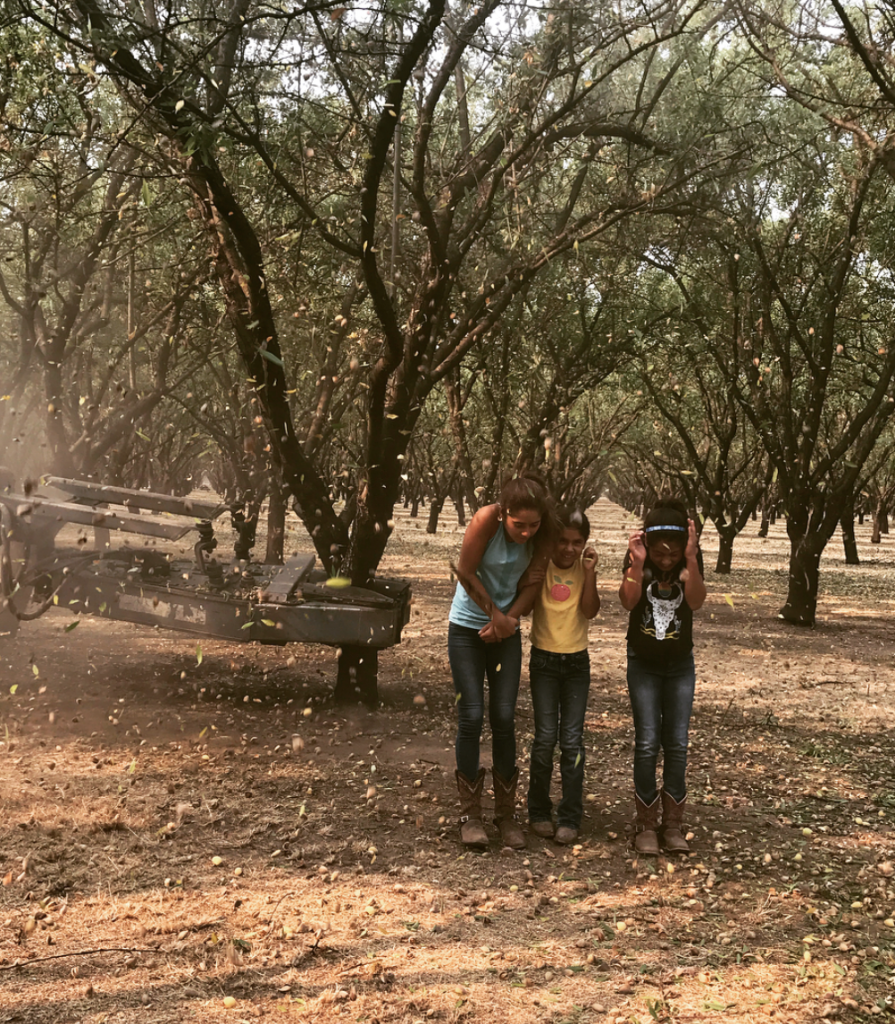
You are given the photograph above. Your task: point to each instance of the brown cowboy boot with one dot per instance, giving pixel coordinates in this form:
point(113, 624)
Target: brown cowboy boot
point(505, 811)
point(472, 831)
point(672, 815)
point(646, 840)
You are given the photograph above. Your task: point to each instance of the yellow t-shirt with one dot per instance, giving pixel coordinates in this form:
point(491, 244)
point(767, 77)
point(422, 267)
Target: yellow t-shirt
point(557, 622)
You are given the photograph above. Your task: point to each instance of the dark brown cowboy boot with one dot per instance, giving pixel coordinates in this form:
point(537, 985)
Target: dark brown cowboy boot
point(472, 831)
point(646, 840)
point(672, 816)
point(505, 811)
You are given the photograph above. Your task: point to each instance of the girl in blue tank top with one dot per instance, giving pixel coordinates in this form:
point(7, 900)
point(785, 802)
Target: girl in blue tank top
point(484, 641)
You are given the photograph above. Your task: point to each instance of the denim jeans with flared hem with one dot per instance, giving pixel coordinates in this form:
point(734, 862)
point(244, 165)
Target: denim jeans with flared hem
point(472, 660)
point(661, 699)
point(559, 688)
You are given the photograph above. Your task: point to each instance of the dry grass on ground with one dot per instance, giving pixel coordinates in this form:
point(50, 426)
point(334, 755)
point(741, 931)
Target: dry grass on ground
point(197, 842)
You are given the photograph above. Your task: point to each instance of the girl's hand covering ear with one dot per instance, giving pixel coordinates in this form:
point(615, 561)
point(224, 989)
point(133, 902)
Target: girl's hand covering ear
point(637, 549)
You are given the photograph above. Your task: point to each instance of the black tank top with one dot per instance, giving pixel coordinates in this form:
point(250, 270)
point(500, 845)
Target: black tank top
point(660, 626)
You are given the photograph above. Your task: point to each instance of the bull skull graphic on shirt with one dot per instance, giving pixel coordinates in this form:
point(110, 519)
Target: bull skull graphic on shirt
point(662, 610)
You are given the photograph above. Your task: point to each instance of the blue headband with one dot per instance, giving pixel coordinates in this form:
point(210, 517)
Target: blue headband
point(666, 529)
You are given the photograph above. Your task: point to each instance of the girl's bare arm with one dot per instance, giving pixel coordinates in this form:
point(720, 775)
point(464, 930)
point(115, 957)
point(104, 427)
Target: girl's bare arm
point(589, 602)
point(694, 584)
point(631, 590)
point(481, 529)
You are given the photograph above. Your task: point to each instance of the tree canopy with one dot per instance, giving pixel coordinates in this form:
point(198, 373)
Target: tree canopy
point(354, 254)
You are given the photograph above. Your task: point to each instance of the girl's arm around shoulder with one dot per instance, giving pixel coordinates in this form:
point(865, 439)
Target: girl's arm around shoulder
point(694, 585)
point(590, 599)
point(532, 578)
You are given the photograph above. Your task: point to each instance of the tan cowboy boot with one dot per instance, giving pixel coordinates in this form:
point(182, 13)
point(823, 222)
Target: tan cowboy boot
point(505, 811)
point(472, 831)
point(646, 840)
point(672, 816)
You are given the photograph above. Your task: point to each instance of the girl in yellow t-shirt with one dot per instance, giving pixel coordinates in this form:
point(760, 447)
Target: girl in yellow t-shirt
point(560, 677)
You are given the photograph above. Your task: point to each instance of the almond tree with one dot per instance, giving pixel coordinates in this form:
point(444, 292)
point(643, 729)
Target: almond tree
point(487, 110)
point(100, 351)
point(443, 158)
point(816, 288)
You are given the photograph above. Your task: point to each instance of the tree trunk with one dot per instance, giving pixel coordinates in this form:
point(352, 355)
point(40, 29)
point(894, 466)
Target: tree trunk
point(849, 544)
point(883, 520)
point(804, 574)
point(456, 403)
point(806, 547)
point(57, 438)
point(860, 517)
point(436, 503)
point(765, 521)
point(772, 516)
point(461, 508)
point(357, 676)
point(415, 506)
point(276, 524)
point(726, 536)
point(876, 532)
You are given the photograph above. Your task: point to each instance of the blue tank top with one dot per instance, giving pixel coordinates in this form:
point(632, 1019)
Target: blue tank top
point(500, 570)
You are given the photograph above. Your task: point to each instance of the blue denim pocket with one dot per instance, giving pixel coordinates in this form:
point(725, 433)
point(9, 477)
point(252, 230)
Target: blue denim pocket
point(539, 660)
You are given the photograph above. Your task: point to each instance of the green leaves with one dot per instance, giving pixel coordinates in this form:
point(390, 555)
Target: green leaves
point(270, 357)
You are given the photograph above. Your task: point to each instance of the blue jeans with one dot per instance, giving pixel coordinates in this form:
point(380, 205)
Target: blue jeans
point(471, 661)
point(559, 686)
point(661, 699)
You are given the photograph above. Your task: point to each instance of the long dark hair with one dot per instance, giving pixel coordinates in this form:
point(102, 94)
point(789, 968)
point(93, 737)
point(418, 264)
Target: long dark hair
point(529, 491)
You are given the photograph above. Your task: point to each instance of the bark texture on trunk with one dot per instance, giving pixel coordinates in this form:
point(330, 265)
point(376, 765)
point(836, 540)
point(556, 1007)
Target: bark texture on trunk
point(849, 542)
point(880, 524)
point(436, 503)
point(460, 505)
point(809, 533)
point(726, 537)
point(276, 525)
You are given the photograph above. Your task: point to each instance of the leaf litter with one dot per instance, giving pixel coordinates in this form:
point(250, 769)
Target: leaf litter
point(181, 835)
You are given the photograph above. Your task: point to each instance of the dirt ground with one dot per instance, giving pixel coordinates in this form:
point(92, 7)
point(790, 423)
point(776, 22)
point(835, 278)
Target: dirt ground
point(198, 834)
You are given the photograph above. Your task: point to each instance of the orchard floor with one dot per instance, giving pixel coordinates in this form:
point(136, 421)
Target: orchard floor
point(188, 839)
